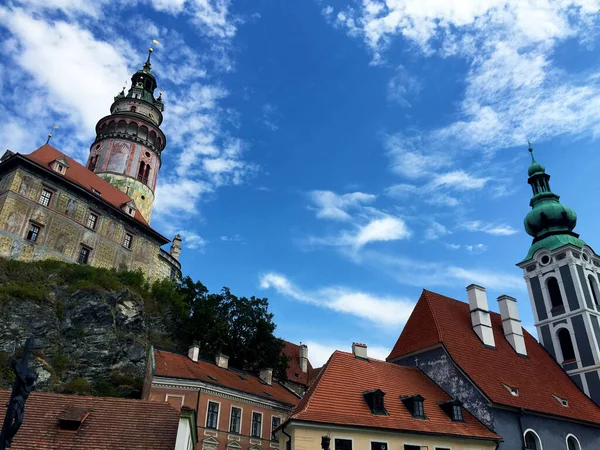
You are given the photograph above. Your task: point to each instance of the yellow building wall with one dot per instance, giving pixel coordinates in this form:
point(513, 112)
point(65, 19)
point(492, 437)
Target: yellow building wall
point(64, 229)
point(309, 438)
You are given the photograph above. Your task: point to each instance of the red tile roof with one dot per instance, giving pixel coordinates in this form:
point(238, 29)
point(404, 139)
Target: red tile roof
point(111, 424)
point(84, 178)
point(337, 398)
point(294, 373)
point(437, 319)
point(175, 365)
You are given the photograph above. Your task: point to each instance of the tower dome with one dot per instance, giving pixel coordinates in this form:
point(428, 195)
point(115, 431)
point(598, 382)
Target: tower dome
point(549, 222)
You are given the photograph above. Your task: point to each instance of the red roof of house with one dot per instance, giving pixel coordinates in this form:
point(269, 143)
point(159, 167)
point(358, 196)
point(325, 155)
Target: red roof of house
point(437, 320)
point(294, 372)
point(84, 178)
point(337, 398)
point(175, 365)
point(110, 423)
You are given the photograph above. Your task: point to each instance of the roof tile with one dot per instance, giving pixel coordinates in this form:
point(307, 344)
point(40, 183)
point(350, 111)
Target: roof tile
point(175, 365)
point(332, 399)
point(112, 424)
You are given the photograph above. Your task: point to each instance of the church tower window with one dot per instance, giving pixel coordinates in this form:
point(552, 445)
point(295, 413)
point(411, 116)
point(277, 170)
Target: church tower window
point(554, 293)
point(594, 289)
point(566, 345)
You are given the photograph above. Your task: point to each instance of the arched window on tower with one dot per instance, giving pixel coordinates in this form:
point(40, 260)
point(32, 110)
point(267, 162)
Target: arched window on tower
point(132, 128)
point(566, 345)
point(595, 291)
point(147, 174)
point(573, 443)
point(532, 441)
point(92, 163)
point(142, 172)
point(121, 126)
point(554, 293)
point(133, 109)
point(143, 133)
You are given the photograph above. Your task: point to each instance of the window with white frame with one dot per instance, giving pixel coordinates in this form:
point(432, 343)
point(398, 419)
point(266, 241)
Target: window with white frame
point(275, 422)
point(33, 232)
point(532, 441)
point(212, 415)
point(45, 197)
point(235, 420)
point(127, 240)
point(256, 424)
point(573, 443)
point(92, 221)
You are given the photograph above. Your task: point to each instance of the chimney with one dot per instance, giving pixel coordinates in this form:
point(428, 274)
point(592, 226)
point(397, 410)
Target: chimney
point(512, 324)
point(176, 247)
point(222, 360)
point(359, 350)
point(480, 314)
point(193, 352)
point(303, 357)
point(267, 376)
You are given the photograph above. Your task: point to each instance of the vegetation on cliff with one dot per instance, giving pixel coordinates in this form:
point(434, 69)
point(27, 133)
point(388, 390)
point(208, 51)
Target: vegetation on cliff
point(93, 326)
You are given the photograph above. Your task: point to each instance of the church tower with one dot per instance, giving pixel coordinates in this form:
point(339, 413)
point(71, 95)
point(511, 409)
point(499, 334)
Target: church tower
point(129, 141)
point(562, 276)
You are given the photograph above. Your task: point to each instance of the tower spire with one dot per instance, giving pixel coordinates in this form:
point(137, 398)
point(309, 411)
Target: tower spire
point(147, 65)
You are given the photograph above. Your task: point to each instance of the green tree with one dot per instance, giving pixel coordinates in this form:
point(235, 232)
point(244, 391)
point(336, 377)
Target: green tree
point(240, 327)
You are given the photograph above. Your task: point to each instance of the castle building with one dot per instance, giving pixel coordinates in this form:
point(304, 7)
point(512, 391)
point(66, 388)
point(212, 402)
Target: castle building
point(52, 207)
point(534, 395)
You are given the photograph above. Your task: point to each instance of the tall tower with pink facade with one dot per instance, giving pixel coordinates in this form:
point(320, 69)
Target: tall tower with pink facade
point(129, 141)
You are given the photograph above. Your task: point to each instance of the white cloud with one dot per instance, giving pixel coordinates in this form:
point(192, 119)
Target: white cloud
point(424, 274)
point(388, 311)
point(43, 50)
point(234, 238)
point(192, 240)
point(476, 249)
point(489, 228)
point(458, 179)
point(453, 246)
point(514, 90)
point(179, 195)
point(384, 229)
point(408, 158)
point(329, 205)
point(319, 351)
point(401, 86)
point(436, 231)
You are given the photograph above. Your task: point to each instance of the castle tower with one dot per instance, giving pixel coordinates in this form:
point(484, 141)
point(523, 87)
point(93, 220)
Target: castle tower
point(129, 142)
point(562, 276)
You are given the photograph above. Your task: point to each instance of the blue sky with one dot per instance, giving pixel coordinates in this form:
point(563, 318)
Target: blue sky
point(337, 157)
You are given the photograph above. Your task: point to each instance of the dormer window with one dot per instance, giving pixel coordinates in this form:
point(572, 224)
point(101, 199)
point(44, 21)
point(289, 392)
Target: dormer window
point(97, 192)
point(71, 419)
point(563, 401)
point(129, 208)
point(454, 410)
point(374, 399)
point(60, 165)
point(513, 390)
point(414, 404)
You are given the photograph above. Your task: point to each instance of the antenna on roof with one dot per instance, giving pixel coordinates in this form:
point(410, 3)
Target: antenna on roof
point(55, 127)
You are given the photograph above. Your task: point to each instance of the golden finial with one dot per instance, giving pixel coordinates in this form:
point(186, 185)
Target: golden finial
point(55, 127)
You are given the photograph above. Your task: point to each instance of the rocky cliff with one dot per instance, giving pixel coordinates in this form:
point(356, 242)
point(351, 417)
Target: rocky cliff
point(91, 326)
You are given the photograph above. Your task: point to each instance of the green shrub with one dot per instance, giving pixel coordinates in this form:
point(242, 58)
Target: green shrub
point(78, 386)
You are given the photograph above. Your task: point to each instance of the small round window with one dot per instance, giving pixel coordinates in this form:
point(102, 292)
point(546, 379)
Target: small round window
point(585, 257)
point(545, 260)
point(143, 197)
point(147, 154)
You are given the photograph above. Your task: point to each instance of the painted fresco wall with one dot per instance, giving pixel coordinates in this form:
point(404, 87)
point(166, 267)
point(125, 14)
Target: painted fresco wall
point(139, 192)
point(309, 438)
point(64, 230)
point(438, 366)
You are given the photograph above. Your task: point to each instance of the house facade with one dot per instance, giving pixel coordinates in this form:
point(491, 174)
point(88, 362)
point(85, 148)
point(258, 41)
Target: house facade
point(358, 402)
point(235, 409)
point(52, 207)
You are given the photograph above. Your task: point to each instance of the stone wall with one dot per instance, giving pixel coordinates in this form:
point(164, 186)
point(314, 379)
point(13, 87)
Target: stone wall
point(63, 228)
